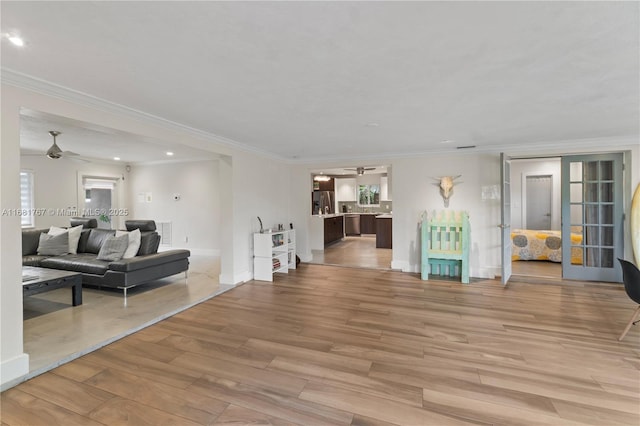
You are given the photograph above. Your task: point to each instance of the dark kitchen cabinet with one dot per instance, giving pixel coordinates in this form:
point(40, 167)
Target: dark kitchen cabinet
point(329, 185)
point(383, 232)
point(367, 224)
point(333, 229)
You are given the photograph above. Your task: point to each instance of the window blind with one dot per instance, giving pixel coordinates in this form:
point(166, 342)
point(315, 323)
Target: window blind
point(26, 199)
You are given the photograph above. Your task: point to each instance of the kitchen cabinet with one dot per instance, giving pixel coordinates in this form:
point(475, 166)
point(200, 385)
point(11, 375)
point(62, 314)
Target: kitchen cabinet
point(367, 223)
point(385, 195)
point(383, 231)
point(345, 189)
point(328, 185)
point(333, 229)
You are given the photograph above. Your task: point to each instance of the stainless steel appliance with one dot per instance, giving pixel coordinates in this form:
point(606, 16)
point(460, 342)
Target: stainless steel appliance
point(352, 224)
point(322, 202)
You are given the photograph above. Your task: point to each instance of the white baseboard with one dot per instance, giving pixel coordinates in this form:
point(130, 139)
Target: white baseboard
point(404, 266)
point(234, 279)
point(305, 257)
point(13, 370)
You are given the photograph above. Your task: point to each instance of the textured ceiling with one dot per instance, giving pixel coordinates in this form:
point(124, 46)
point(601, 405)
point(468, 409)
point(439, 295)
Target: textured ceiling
point(321, 80)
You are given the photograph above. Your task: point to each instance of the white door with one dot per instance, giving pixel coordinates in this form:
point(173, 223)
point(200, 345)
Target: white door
point(538, 213)
point(592, 217)
point(505, 224)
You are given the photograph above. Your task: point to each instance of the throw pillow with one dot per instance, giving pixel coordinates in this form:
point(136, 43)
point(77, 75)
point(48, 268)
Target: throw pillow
point(53, 245)
point(74, 236)
point(113, 248)
point(134, 243)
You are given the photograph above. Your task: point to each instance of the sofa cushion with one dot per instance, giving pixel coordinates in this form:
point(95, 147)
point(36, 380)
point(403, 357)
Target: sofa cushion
point(33, 260)
point(149, 243)
point(53, 245)
point(81, 262)
point(74, 236)
point(134, 243)
point(113, 248)
point(30, 240)
point(86, 222)
point(96, 239)
point(82, 243)
point(142, 225)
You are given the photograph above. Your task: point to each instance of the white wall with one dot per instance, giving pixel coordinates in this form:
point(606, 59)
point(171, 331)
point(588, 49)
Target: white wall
point(414, 191)
point(14, 363)
point(56, 187)
point(522, 168)
point(251, 185)
point(195, 217)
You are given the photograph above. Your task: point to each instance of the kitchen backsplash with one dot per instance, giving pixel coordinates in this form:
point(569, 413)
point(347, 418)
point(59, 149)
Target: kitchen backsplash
point(353, 207)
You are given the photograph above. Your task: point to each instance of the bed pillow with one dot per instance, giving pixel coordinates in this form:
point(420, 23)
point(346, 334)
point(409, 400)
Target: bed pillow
point(53, 245)
point(74, 236)
point(134, 243)
point(113, 248)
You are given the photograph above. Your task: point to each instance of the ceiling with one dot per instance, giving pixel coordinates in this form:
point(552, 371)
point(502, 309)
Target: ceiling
point(91, 142)
point(347, 80)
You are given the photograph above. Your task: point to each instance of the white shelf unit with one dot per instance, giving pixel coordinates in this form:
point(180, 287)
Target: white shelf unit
point(273, 252)
point(291, 248)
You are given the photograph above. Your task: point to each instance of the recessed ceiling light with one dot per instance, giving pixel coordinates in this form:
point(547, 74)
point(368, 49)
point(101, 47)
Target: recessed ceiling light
point(116, 158)
point(372, 124)
point(169, 153)
point(16, 40)
point(446, 141)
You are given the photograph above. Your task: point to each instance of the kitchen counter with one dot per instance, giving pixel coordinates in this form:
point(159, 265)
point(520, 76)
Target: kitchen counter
point(325, 230)
point(384, 231)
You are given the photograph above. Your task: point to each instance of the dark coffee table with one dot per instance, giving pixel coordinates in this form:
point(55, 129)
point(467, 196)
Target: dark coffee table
point(38, 280)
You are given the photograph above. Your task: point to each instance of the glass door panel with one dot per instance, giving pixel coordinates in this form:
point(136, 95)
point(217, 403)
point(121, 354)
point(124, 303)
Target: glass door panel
point(592, 216)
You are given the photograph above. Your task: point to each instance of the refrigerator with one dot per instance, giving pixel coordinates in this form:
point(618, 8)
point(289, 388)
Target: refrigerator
point(322, 202)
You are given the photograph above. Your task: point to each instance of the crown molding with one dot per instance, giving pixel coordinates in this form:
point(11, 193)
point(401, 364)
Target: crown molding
point(24, 81)
point(558, 147)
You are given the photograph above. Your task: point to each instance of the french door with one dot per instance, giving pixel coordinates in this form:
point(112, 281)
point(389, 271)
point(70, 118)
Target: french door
point(592, 217)
point(505, 217)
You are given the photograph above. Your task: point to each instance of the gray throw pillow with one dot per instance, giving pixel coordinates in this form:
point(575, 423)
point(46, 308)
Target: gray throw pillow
point(53, 245)
point(113, 248)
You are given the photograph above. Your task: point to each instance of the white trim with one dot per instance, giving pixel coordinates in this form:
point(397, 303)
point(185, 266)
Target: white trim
point(404, 266)
point(235, 279)
point(34, 84)
point(13, 370)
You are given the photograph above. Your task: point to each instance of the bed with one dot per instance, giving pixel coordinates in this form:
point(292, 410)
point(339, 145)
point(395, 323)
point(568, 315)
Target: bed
point(543, 245)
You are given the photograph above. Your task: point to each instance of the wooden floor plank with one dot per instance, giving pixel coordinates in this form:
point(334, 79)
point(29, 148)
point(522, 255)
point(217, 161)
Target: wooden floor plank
point(21, 408)
point(340, 346)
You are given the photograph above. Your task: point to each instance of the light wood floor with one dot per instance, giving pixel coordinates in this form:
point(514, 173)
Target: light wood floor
point(333, 345)
point(537, 268)
point(360, 252)
point(55, 331)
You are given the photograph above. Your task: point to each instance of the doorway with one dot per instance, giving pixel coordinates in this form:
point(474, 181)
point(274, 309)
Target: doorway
point(566, 216)
point(538, 197)
point(100, 199)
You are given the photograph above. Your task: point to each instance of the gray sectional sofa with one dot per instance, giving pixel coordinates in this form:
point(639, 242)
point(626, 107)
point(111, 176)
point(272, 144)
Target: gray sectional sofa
point(147, 265)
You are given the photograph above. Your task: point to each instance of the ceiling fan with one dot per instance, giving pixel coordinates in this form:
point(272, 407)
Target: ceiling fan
point(360, 170)
point(54, 152)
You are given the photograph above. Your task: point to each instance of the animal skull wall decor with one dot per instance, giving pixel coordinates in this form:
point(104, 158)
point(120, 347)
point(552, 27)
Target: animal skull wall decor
point(446, 184)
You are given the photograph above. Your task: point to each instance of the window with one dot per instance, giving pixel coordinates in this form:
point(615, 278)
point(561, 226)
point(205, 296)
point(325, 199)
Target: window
point(26, 199)
point(368, 195)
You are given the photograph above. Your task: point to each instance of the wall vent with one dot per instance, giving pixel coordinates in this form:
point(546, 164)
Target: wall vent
point(164, 230)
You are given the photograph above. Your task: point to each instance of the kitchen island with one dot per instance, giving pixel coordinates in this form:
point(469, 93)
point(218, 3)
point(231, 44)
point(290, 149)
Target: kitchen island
point(325, 229)
point(384, 231)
